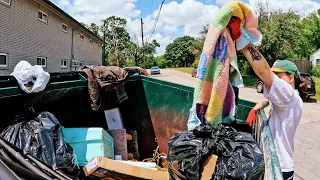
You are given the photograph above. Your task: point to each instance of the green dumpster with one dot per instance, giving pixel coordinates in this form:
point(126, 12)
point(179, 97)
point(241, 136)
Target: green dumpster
point(156, 109)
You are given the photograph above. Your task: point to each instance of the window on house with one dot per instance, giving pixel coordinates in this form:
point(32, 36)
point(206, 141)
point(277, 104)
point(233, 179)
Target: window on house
point(64, 28)
point(7, 2)
point(91, 41)
point(64, 63)
point(43, 17)
point(81, 37)
point(318, 61)
point(42, 61)
point(3, 60)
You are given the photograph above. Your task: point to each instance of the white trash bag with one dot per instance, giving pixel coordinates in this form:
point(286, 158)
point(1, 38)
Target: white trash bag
point(31, 79)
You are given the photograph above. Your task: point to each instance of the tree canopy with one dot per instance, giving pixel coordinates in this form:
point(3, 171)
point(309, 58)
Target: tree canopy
point(178, 52)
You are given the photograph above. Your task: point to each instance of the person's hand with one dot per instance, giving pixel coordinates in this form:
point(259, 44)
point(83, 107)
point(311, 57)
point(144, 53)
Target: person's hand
point(252, 117)
point(234, 26)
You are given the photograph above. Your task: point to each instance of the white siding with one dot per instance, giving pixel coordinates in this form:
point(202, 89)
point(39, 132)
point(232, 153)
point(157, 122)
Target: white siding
point(315, 58)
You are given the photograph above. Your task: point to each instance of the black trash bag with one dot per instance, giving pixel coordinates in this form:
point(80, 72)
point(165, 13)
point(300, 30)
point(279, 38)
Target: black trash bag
point(239, 156)
point(43, 139)
point(187, 150)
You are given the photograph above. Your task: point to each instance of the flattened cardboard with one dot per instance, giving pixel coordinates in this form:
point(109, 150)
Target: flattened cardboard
point(104, 168)
point(208, 167)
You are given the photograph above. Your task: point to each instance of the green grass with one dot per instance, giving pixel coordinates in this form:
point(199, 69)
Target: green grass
point(249, 80)
point(184, 69)
point(317, 81)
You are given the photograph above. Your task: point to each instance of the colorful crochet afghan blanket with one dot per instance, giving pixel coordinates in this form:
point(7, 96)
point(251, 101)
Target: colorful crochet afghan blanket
point(218, 71)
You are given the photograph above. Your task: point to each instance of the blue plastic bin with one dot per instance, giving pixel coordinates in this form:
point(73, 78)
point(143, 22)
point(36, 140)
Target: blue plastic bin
point(89, 143)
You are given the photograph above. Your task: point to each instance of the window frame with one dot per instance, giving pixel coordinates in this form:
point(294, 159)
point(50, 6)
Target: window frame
point(5, 3)
point(65, 31)
point(43, 13)
point(6, 65)
point(62, 64)
point(82, 39)
point(46, 63)
point(317, 61)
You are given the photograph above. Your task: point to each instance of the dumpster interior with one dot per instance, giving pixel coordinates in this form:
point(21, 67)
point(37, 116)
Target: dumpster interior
point(71, 106)
point(156, 110)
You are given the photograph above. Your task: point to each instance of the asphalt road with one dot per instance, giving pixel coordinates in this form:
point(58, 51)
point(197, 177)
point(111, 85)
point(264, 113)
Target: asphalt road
point(307, 138)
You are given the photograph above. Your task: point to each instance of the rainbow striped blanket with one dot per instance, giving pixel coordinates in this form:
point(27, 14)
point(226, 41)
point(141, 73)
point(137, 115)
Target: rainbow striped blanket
point(218, 71)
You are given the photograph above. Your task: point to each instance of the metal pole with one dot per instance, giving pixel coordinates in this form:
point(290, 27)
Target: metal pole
point(6, 172)
point(21, 170)
point(18, 156)
point(144, 60)
point(44, 167)
point(104, 44)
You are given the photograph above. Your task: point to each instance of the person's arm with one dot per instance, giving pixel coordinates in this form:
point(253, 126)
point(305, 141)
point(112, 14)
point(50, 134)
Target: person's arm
point(259, 65)
point(261, 105)
point(252, 117)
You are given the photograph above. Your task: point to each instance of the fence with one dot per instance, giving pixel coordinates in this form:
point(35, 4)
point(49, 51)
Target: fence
point(304, 66)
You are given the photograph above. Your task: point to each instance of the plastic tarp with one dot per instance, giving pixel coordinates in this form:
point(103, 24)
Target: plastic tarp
point(264, 138)
point(42, 138)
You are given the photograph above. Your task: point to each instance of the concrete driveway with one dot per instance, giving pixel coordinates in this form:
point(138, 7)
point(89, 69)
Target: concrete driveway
point(307, 139)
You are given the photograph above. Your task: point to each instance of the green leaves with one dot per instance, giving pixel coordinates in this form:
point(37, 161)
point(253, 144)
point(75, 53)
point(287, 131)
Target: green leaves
point(286, 35)
point(178, 52)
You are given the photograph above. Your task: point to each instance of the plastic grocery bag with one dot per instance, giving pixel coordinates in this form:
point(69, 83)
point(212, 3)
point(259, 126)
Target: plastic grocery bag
point(31, 79)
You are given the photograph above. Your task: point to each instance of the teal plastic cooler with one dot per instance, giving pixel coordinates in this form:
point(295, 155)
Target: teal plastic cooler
point(89, 143)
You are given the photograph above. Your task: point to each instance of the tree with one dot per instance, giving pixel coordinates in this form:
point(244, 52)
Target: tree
point(161, 61)
point(178, 52)
point(94, 28)
point(282, 35)
point(148, 50)
point(117, 39)
point(311, 33)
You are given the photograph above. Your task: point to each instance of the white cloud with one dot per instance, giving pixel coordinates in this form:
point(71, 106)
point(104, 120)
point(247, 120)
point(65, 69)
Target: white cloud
point(163, 41)
point(94, 11)
point(223, 2)
point(184, 18)
point(191, 15)
point(303, 7)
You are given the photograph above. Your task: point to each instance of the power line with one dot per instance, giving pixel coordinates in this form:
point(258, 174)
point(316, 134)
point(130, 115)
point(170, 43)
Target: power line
point(155, 23)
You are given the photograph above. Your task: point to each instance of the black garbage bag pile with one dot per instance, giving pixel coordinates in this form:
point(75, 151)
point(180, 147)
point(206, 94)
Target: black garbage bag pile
point(42, 138)
point(186, 151)
point(239, 156)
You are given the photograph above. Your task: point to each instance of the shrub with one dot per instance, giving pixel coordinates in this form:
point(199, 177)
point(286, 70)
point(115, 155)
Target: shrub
point(315, 71)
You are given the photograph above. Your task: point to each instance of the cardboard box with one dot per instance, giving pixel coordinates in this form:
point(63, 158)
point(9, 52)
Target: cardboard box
point(208, 167)
point(104, 168)
point(114, 119)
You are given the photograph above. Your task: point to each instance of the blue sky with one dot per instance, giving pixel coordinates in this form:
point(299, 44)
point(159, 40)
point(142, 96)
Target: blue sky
point(178, 17)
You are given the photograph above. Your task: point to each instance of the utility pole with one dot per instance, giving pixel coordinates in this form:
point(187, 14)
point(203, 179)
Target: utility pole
point(144, 60)
point(104, 44)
